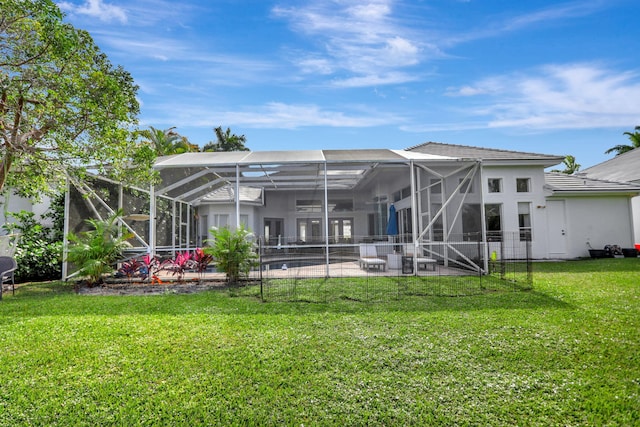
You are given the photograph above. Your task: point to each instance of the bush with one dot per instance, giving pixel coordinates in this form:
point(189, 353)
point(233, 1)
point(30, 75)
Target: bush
point(233, 252)
point(38, 251)
point(96, 251)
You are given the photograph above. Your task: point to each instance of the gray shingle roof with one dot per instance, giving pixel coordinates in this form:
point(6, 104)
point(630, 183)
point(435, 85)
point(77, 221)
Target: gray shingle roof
point(622, 168)
point(562, 183)
point(464, 151)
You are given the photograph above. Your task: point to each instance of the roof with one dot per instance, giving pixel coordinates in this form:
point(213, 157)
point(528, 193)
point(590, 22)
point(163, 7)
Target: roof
point(487, 155)
point(622, 168)
point(227, 194)
point(232, 158)
point(211, 176)
point(560, 183)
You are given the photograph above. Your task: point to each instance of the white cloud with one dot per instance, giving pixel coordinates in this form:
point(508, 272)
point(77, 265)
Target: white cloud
point(374, 80)
point(554, 14)
point(363, 40)
point(96, 9)
point(277, 115)
point(572, 96)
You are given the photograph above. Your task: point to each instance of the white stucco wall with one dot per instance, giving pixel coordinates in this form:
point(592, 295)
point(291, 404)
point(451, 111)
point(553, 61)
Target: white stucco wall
point(598, 221)
point(509, 199)
point(15, 203)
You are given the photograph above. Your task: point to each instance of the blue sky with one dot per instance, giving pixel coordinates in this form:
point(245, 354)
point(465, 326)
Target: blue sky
point(543, 76)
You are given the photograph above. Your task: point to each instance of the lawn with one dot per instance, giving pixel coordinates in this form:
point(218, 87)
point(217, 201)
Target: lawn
point(565, 353)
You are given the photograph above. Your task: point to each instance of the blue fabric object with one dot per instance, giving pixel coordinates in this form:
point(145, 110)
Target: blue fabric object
point(392, 225)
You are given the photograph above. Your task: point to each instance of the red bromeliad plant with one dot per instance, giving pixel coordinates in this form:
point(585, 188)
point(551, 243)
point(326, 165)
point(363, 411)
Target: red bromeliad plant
point(180, 264)
point(151, 267)
point(202, 261)
point(131, 269)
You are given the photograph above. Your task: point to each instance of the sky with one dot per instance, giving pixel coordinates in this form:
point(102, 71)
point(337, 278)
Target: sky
point(552, 77)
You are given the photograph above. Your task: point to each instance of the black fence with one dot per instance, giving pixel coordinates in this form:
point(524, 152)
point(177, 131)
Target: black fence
point(384, 270)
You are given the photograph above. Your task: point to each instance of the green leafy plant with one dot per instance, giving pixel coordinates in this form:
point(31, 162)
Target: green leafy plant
point(94, 252)
point(233, 252)
point(38, 249)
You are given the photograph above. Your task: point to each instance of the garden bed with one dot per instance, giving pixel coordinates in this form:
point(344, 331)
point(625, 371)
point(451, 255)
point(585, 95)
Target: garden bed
point(120, 287)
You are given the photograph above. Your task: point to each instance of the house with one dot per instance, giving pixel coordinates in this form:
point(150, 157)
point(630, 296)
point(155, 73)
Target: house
point(562, 214)
point(453, 204)
point(317, 198)
point(623, 168)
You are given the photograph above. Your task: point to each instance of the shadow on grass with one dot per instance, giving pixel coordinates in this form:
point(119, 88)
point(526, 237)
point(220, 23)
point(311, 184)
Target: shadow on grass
point(59, 299)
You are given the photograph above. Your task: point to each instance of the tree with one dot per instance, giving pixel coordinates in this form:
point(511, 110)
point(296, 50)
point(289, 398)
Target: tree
point(63, 105)
point(570, 166)
point(226, 141)
point(167, 142)
point(634, 137)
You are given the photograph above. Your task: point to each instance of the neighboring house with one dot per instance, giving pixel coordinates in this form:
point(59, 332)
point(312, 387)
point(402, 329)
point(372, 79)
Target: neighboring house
point(12, 202)
point(622, 168)
point(563, 214)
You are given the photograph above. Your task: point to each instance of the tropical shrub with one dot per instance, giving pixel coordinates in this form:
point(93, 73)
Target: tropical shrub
point(38, 249)
point(95, 252)
point(131, 269)
point(233, 252)
point(179, 265)
point(202, 261)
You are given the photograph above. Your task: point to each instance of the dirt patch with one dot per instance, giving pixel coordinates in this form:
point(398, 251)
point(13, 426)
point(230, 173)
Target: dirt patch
point(150, 289)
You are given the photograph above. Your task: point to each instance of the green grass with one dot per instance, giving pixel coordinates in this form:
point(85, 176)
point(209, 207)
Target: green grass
point(566, 353)
point(381, 288)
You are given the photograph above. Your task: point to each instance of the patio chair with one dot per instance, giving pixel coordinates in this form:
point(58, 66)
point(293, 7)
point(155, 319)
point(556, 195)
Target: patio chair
point(422, 261)
point(369, 258)
point(8, 266)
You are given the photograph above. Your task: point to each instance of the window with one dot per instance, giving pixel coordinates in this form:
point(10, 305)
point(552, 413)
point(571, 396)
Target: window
point(309, 230)
point(220, 220)
point(204, 229)
point(471, 222)
point(340, 230)
point(306, 206)
point(438, 227)
point(436, 186)
point(493, 219)
point(466, 184)
point(273, 230)
point(494, 185)
point(522, 185)
point(524, 221)
point(340, 205)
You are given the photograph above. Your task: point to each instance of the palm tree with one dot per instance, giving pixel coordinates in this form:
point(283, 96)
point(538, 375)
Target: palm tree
point(634, 137)
point(570, 165)
point(226, 141)
point(168, 141)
